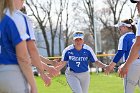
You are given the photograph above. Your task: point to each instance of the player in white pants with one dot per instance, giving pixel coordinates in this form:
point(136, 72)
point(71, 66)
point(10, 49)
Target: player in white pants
point(127, 30)
point(77, 57)
point(133, 58)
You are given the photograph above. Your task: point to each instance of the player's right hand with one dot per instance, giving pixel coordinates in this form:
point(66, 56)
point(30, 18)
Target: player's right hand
point(53, 71)
point(107, 70)
point(46, 79)
point(122, 71)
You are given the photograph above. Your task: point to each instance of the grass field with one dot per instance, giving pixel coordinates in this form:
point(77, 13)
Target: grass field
point(100, 83)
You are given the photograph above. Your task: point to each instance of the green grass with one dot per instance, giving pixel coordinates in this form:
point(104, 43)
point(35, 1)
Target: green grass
point(100, 83)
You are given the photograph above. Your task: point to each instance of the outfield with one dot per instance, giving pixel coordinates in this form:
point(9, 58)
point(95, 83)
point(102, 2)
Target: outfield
point(100, 83)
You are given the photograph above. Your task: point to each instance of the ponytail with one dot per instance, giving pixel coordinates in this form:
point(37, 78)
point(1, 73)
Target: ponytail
point(133, 29)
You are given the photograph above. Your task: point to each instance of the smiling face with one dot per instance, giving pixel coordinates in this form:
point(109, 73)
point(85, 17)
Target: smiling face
point(78, 42)
point(78, 38)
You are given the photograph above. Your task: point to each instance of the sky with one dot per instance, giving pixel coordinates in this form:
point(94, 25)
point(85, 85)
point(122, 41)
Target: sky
point(99, 4)
point(126, 12)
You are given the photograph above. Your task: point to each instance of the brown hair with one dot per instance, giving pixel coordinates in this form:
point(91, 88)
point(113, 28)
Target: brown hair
point(6, 4)
point(23, 9)
point(130, 21)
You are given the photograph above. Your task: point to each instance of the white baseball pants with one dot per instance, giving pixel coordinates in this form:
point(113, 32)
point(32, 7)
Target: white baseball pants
point(78, 82)
point(12, 80)
point(133, 77)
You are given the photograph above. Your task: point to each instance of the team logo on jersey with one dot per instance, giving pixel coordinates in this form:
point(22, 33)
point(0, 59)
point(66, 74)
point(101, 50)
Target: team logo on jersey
point(74, 58)
point(70, 53)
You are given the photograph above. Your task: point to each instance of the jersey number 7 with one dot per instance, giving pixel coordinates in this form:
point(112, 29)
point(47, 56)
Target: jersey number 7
point(78, 64)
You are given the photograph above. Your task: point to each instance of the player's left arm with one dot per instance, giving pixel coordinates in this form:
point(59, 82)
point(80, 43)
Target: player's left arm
point(59, 67)
point(100, 64)
point(93, 58)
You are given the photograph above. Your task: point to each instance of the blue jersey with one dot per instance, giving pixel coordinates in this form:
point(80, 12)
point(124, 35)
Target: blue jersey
point(78, 60)
point(12, 32)
point(125, 43)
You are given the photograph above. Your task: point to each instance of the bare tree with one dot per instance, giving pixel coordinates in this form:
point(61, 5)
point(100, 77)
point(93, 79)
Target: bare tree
point(41, 19)
point(42, 12)
point(112, 16)
point(132, 11)
point(66, 3)
point(89, 10)
point(67, 27)
point(89, 7)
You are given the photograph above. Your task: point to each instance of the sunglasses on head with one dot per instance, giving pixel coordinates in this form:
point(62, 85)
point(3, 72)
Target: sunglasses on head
point(78, 34)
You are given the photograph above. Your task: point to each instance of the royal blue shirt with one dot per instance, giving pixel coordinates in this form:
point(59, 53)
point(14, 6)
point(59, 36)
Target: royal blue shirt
point(124, 46)
point(78, 60)
point(12, 32)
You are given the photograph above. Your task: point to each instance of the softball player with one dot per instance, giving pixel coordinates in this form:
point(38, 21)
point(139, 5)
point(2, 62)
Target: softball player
point(77, 57)
point(127, 39)
point(15, 69)
point(124, 70)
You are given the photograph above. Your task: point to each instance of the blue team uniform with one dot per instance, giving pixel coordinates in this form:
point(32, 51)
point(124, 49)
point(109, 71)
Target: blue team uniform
point(78, 60)
point(125, 43)
point(12, 32)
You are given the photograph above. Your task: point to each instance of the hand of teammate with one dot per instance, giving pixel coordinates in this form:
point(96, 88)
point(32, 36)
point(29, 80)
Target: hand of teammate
point(107, 70)
point(56, 62)
point(53, 71)
point(123, 70)
point(46, 79)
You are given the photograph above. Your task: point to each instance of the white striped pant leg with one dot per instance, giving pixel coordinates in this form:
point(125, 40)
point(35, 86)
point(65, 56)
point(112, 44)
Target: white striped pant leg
point(12, 80)
point(132, 78)
point(73, 82)
point(84, 80)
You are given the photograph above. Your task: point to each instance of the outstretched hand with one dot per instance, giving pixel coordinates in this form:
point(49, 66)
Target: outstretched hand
point(56, 62)
point(46, 79)
point(53, 71)
point(122, 71)
point(107, 69)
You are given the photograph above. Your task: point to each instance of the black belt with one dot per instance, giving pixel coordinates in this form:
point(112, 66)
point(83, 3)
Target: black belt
point(72, 70)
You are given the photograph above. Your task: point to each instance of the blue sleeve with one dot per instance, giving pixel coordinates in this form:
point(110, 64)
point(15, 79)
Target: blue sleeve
point(118, 56)
point(13, 33)
point(16, 31)
point(92, 57)
point(65, 56)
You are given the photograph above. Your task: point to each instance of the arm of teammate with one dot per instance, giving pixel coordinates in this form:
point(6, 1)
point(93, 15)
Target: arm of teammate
point(51, 71)
point(132, 56)
point(100, 64)
point(47, 61)
point(61, 65)
point(25, 64)
point(36, 61)
point(115, 60)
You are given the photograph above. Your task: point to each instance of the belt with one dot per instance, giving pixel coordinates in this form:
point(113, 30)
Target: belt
point(72, 70)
